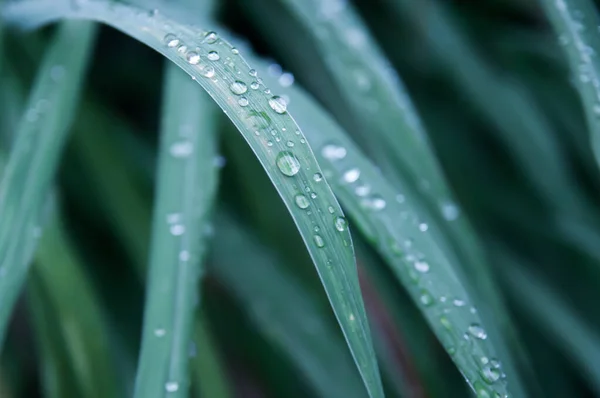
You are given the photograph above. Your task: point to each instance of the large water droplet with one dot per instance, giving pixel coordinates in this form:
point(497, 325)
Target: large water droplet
point(477, 331)
point(302, 201)
point(278, 104)
point(238, 87)
point(287, 163)
point(193, 57)
point(319, 241)
point(340, 224)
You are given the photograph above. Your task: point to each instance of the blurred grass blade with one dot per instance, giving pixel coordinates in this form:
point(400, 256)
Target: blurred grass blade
point(185, 192)
point(576, 22)
point(71, 307)
point(548, 310)
point(277, 141)
point(283, 310)
point(34, 156)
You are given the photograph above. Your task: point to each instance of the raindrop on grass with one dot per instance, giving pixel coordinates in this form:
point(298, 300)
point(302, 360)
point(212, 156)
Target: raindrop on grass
point(160, 332)
point(351, 175)
point(423, 227)
point(211, 37)
point(362, 190)
point(301, 201)
point(318, 177)
point(253, 72)
point(213, 56)
point(458, 303)
point(278, 104)
point(193, 58)
point(426, 299)
point(287, 163)
point(319, 241)
point(254, 85)
point(377, 203)
point(238, 87)
point(422, 266)
point(243, 101)
point(333, 152)
point(181, 149)
point(477, 331)
point(171, 386)
point(290, 144)
point(171, 40)
point(177, 229)
point(208, 71)
point(341, 224)
point(330, 209)
point(490, 375)
point(184, 255)
point(351, 317)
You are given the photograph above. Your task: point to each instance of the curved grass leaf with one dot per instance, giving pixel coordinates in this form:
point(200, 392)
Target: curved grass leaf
point(283, 310)
point(185, 192)
point(410, 246)
point(75, 312)
point(35, 153)
point(576, 22)
point(274, 137)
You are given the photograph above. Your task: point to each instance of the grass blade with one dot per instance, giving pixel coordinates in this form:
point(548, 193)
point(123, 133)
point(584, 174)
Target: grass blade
point(279, 145)
point(186, 188)
point(576, 23)
point(283, 311)
point(34, 157)
point(74, 311)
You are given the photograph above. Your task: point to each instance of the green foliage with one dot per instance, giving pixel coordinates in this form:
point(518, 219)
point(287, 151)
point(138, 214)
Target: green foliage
point(449, 132)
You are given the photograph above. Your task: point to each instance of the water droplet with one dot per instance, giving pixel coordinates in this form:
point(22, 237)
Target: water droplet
point(243, 101)
point(213, 56)
point(193, 58)
point(235, 51)
point(253, 72)
point(458, 303)
point(490, 375)
point(333, 152)
point(181, 149)
point(286, 79)
point(238, 87)
point(171, 40)
point(377, 203)
point(208, 71)
point(313, 195)
point(254, 85)
point(177, 229)
point(278, 104)
point(426, 299)
point(184, 255)
point(211, 37)
point(362, 190)
point(450, 211)
point(301, 201)
point(351, 175)
point(423, 227)
point(318, 177)
point(290, 144)
point(477, 331)
point(330, 209)
point(160, 332)
point(422, 266)
point(445, 323)
point(287, 163)
point(351, 317)
point(172, 386)
point(340, 224)
point(319, 241)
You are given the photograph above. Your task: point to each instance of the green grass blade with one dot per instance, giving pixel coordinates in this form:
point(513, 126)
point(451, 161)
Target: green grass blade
point(76, 314)
point(411, 246)
point(275, 138)
point(34, 157)
point(186, 188)
point(283, 310)
point(576, 22)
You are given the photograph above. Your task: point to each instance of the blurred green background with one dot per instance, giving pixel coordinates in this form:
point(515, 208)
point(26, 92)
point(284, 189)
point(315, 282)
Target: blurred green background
point(487, 77)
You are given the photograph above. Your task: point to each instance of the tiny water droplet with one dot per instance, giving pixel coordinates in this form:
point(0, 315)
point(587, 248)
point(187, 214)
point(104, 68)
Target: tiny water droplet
point(490, 375)
point(238, 87)
point(426, 298)
point(301, 201)
point(477, 331)
point(177, 229)
point(208, 71)
point(254, 85)
point(422, 266)
point(351, 317)
point(313, 195)
point(253, 72)
point(319, 241)
point(160, 332)
point(377, 203)
point(458, 303)
point(351, 175)
point(340, 224)
point(184, 255)
point(172, 386)
point(423, 227)
point(235, 51)
point(290, 144)
point(362, 190)
point(287, 163)
point(171, 40)
point(181, 149)
point(193, 58)
point(211, 37)
point(333, 152)
point(318, 177)
point(243, 101)
point(213, 56)
point(330, 209)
